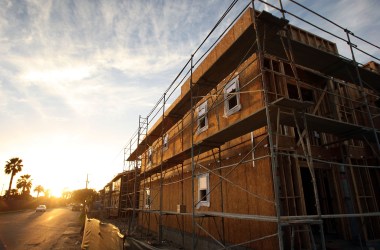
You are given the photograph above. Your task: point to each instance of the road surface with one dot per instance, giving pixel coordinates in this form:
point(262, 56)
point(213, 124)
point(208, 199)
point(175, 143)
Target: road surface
point(54, 229)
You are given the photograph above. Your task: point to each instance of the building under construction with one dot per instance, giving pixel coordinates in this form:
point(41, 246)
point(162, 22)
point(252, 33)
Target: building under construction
point(272, 143)
point(119, 194)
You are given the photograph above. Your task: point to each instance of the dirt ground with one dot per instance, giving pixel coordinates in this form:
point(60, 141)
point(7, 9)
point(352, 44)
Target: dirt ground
point(71, 239)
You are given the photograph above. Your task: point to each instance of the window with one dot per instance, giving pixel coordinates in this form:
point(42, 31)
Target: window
point(202, 117)
point(147, 198)
point(232, 97)
point(150, 156)
point(307, 94)
point(165, 142)
point(203, 191)
point(316, 139)
point(116, 185)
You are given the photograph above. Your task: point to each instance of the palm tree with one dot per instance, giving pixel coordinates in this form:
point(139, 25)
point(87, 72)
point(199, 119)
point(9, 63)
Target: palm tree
point(39, 189)
point(25, 184)
point(12, 167)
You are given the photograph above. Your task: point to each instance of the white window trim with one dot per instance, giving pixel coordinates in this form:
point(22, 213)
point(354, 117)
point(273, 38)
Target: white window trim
point(148, 201)
point(233, 84)
point(165, 145)
point(150, 157)
point(202, 113)
point(205, 203)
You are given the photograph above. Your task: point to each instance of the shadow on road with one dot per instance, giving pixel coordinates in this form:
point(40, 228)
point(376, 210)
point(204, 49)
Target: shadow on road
point(36, 214)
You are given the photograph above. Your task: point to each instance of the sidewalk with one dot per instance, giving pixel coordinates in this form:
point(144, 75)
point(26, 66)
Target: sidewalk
point(71, 239)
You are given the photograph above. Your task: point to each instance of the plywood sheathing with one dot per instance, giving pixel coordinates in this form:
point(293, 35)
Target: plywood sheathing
point(254, 178)
point(254, 120)
point(229, 53)
point(222, 60)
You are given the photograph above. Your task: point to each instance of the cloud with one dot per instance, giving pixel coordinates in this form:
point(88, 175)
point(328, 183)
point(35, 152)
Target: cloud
point(68, 50)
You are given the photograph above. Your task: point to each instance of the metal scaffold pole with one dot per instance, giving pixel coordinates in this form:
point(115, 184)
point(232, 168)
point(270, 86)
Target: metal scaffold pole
point(161, 169)
point(269, 129)
point(192, 156)
point(348, 33)
point(305, 133)
point(221, 194)
point(135, 180)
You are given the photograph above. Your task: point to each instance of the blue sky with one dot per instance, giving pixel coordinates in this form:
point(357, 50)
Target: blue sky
point(76, 75)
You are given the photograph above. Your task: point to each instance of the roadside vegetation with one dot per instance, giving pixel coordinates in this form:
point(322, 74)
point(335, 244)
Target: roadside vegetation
point(20, 198)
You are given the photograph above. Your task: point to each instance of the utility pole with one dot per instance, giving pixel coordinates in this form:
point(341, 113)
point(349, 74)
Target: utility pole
point(85, 201)
point(87, 182)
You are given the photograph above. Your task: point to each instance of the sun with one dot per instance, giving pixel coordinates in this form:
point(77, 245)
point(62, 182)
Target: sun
point(50, 192)
point(56, 192)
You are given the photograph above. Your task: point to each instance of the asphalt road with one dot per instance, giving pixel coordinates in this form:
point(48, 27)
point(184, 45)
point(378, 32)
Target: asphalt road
point(54, 229)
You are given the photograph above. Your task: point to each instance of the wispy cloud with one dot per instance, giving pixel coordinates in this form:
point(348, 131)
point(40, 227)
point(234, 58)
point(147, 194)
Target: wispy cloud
point(61, 45)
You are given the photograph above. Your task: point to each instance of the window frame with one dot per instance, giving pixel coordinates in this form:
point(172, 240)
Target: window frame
point(202, 114)
point(147, 200)
point(228, 90)
point(150, 157)
point(203, 203)
point(165, 142)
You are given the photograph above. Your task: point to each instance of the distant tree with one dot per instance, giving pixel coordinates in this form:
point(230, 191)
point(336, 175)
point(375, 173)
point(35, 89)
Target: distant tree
point(12, 167)
point(12, 193)
point(39, 189)
point(66, 195)
point(25, 184)
point(82, 195)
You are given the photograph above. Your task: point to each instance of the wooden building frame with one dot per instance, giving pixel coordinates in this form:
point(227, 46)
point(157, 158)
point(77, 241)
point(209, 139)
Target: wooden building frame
point(119, 194)
point(273, 143)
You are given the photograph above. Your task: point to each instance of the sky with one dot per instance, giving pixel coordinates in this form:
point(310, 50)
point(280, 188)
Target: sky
point(76, 75)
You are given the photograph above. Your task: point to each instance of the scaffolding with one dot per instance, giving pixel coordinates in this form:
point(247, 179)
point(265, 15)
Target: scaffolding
point(308, 128)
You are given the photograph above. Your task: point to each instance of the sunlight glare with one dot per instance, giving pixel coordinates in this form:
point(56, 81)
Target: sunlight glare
point(56, 192)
